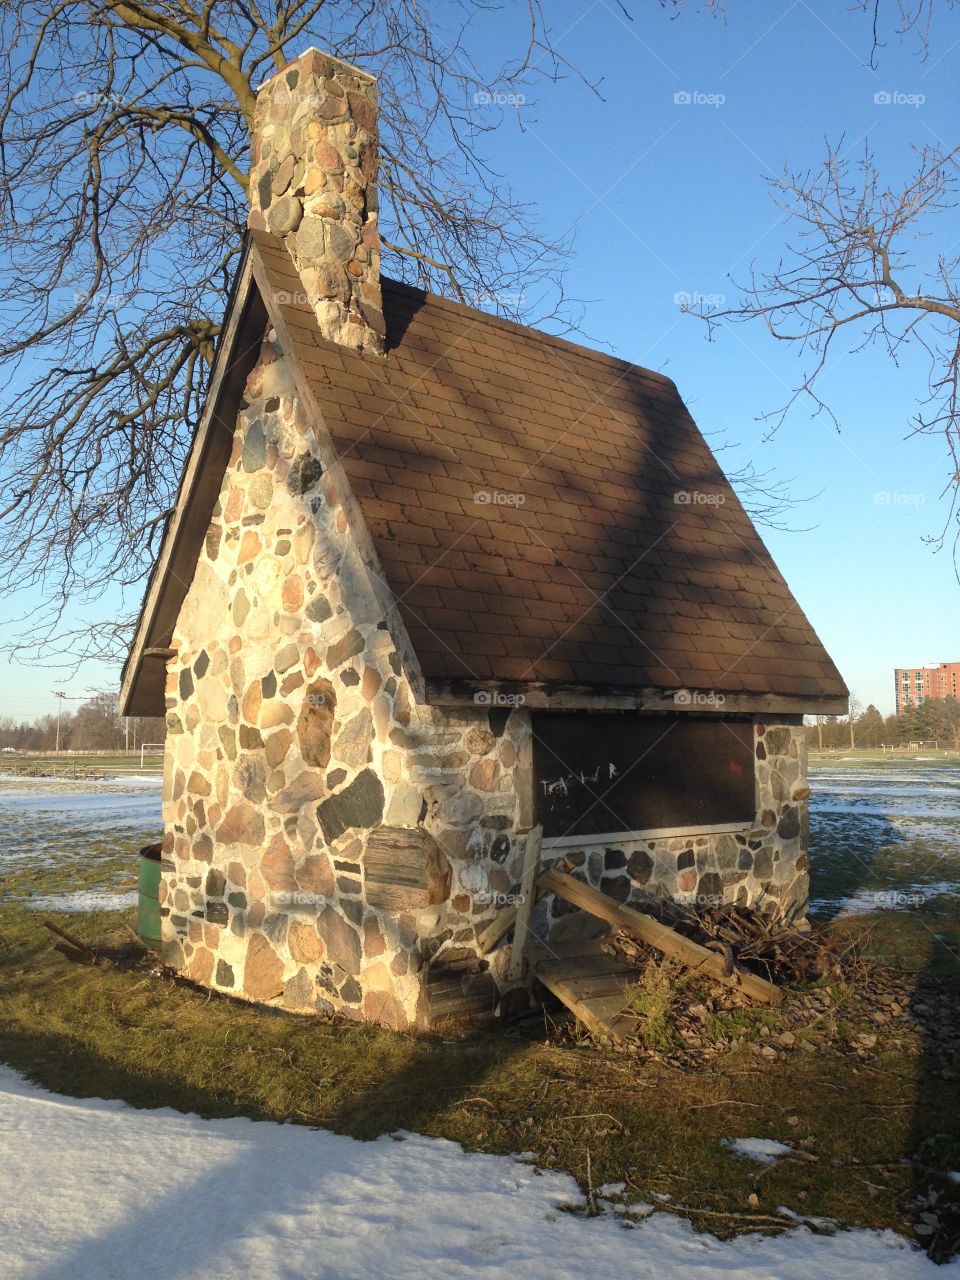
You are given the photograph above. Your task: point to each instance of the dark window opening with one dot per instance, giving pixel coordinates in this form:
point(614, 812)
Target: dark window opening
point(597, 772)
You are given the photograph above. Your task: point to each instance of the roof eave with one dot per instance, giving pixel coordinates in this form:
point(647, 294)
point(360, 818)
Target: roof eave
point(142, 688)
point(556, 696)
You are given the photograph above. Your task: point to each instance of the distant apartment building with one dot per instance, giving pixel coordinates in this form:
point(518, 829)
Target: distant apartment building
point(913, 684)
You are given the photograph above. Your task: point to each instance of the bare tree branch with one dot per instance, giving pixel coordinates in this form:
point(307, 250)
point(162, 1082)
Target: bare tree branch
point(124, 135)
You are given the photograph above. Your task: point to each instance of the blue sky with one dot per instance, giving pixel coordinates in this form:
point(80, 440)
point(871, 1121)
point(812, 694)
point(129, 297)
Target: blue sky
point(669, 197)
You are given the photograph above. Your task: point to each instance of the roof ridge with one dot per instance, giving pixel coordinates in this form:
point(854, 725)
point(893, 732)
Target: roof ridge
point(528, 330)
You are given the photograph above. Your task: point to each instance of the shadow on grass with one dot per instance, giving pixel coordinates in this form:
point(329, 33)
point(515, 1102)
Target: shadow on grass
point(934, 1145)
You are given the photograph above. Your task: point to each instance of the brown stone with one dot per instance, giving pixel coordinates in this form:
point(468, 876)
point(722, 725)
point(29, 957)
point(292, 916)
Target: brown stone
point(277, 866)
point(252, 702)
point(277, 746)
point(263, 970)
point(402, 705)
point(315, 875)
point(200, 968)
point(479, 741)
point(293, 681)
point(203, 848)
point(383, 1007)
point(293, 593)
point(373, 941)
point(687, 880)
point(341, 939)
point(485, 774)
point(306, 945)
point(250, 546)
point(198, 785)
point(242, 824)
point(315, 723)
point(370, 683)
point(305, 787)
point(346, 647)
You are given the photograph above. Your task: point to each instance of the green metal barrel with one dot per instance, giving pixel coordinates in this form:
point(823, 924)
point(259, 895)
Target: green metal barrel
point(148, 905)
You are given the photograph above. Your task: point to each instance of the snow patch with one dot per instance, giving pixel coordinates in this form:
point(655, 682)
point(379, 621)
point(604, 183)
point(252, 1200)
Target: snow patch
point(764, 1150)
point(82, 901)
point(95, 1189)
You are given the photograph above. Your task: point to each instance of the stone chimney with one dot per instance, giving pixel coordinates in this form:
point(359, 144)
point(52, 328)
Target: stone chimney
point(313, 169)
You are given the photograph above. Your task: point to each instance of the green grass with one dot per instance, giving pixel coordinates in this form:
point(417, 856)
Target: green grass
point(877, 1129)
point(120, 1032)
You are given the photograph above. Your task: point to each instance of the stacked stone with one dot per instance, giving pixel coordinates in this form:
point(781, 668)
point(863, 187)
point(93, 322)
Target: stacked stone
point(293, 734)
point(312, 183)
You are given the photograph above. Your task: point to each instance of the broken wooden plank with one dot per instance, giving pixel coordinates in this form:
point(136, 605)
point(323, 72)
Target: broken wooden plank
point(590, 983)
point(501, 925)
point(528, 888)
point(658, 935)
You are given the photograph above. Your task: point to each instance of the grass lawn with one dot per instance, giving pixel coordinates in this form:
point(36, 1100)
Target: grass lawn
point(875, 1130)
point(870, 1131)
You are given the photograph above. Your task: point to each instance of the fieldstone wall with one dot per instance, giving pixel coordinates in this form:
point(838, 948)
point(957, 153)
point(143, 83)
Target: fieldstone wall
point(313, 169)
point(295, 750)
point(333, 845)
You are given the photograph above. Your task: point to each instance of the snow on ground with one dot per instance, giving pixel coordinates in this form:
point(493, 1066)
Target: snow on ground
point(95, 1190)
point(764, 1150)
point(82, 901)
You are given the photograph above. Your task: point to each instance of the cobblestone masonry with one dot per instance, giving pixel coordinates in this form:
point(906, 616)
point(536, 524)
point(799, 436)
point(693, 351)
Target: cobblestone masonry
point(313, 169)
point(294, 739)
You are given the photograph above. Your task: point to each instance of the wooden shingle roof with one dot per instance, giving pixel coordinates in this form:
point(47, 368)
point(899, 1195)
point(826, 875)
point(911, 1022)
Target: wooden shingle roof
point(546, 513)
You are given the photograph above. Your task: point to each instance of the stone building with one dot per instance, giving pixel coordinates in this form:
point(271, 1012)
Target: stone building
point(431, 578)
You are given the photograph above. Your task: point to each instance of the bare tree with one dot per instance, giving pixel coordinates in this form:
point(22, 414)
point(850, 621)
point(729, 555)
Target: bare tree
point(856, 707)
point(856, 273)
point(124, 131)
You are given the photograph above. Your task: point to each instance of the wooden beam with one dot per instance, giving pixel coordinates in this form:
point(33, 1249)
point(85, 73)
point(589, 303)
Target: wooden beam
point(540, 696)
point(528, 889)
point(658, 935)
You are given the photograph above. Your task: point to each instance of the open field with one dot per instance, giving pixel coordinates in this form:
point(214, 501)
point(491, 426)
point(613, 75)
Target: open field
point(49, 765)
point(870, 1114)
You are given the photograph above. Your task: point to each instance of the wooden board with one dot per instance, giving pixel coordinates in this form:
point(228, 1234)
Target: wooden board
point(528, 895)
point(598, 773)
point(404, 869)
point(658, 935)
point(590, 983)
